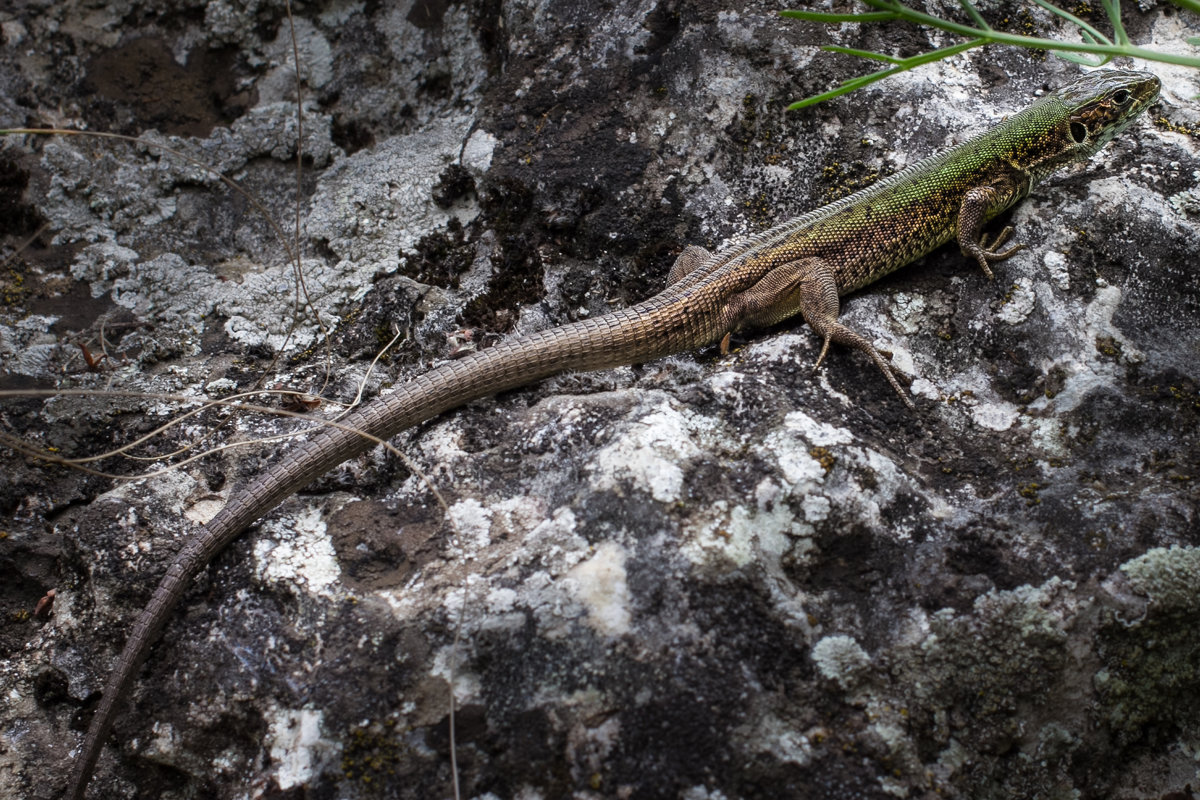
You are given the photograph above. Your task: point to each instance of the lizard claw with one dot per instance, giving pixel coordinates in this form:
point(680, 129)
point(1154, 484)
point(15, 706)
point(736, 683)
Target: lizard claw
point(985, 252)
point(824, 352)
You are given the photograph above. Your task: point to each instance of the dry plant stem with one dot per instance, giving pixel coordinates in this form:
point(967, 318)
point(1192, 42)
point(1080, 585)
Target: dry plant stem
point(25, 244)
point(301, 285)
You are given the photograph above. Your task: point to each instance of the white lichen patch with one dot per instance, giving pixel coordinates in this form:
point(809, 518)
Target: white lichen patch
point(554, 609)
point(100, 263)
point(1087, 368)
point(300, 554)
point(163, 744)
point(792, 446)
point(168, 290)
point(783, 348)
point(767, 493)
point(369, 207)
point(841, 659)
point(550, 592)
point(738, 536)
point(1098, 318)
point(1185, 203)
point(170, 488)
point(316, 60)
point(376, 203)
point(411, 59)
point(557, 548)
point(648, 451)
point(473, 522)
point(816, 507)
point(477, 153)
point(442, 444)
point(500, 600)
point(910, 312)
point(798, 467)
point(1019, 302)
point(553, 543)
point(297, 748)
point(1035, 611)
point(450, 665)
point(28, 347)
point(600, 585)
point(727, 385)
point(819, 433)
point(97, 205)
point(1048, 436)
point(925, 388)
point(823, 470)
point(995, 416)
point(516, 516)
point(775, 737)
point(1057, 268)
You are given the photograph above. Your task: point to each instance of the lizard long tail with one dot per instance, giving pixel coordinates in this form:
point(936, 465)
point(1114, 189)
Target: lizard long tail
point(643, 332)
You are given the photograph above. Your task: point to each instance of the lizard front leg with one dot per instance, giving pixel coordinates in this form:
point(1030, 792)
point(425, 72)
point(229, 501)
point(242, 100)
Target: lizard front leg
point(977, 205)
point(807, 286)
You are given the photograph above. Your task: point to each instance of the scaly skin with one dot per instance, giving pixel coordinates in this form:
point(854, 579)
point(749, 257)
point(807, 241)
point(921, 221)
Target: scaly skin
point(800, 267)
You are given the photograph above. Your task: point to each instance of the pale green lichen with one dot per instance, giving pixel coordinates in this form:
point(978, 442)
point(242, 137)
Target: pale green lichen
point(1150, 683)
point(1169, 577)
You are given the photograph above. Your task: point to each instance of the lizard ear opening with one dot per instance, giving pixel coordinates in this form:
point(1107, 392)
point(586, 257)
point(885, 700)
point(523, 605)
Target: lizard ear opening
point(1078, 132)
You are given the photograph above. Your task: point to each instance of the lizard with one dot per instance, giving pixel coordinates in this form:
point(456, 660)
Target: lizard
point(800, 267)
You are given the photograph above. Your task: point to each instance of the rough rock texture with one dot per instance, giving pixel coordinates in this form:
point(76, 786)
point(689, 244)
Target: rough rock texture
point(705, 577)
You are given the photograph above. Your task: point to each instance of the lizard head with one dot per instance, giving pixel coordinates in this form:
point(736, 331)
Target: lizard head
point(1072, 123)
point(1100, 105)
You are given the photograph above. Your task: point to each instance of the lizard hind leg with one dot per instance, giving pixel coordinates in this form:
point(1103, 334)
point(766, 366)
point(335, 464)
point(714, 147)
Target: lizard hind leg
point(692, 257)
point(820, 306)
point(808, 286)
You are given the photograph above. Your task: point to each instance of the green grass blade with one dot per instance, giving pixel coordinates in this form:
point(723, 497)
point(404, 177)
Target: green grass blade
point(1036, 43)
point(975, 15)
point(901, 65)
point(850, 51)
point(1084, 27)
point(1113, 7)
point(1076, 58)
point(1095, 49)
point(845, 88)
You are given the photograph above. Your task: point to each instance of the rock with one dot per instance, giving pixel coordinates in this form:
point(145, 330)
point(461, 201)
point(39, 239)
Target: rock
point(703, 577)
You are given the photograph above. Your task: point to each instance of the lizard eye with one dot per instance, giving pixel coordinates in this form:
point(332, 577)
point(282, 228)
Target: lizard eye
point(1078, 132)
point(1122, 97)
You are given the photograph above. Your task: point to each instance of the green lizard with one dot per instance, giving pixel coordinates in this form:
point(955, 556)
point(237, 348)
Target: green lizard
point(800, 267)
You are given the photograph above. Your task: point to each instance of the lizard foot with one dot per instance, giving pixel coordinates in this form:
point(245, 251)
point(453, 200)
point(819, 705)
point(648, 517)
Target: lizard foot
point(985, 251)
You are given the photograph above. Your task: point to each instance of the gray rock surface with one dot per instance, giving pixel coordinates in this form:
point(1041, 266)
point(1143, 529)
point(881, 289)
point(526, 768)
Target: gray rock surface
point(704, 577)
